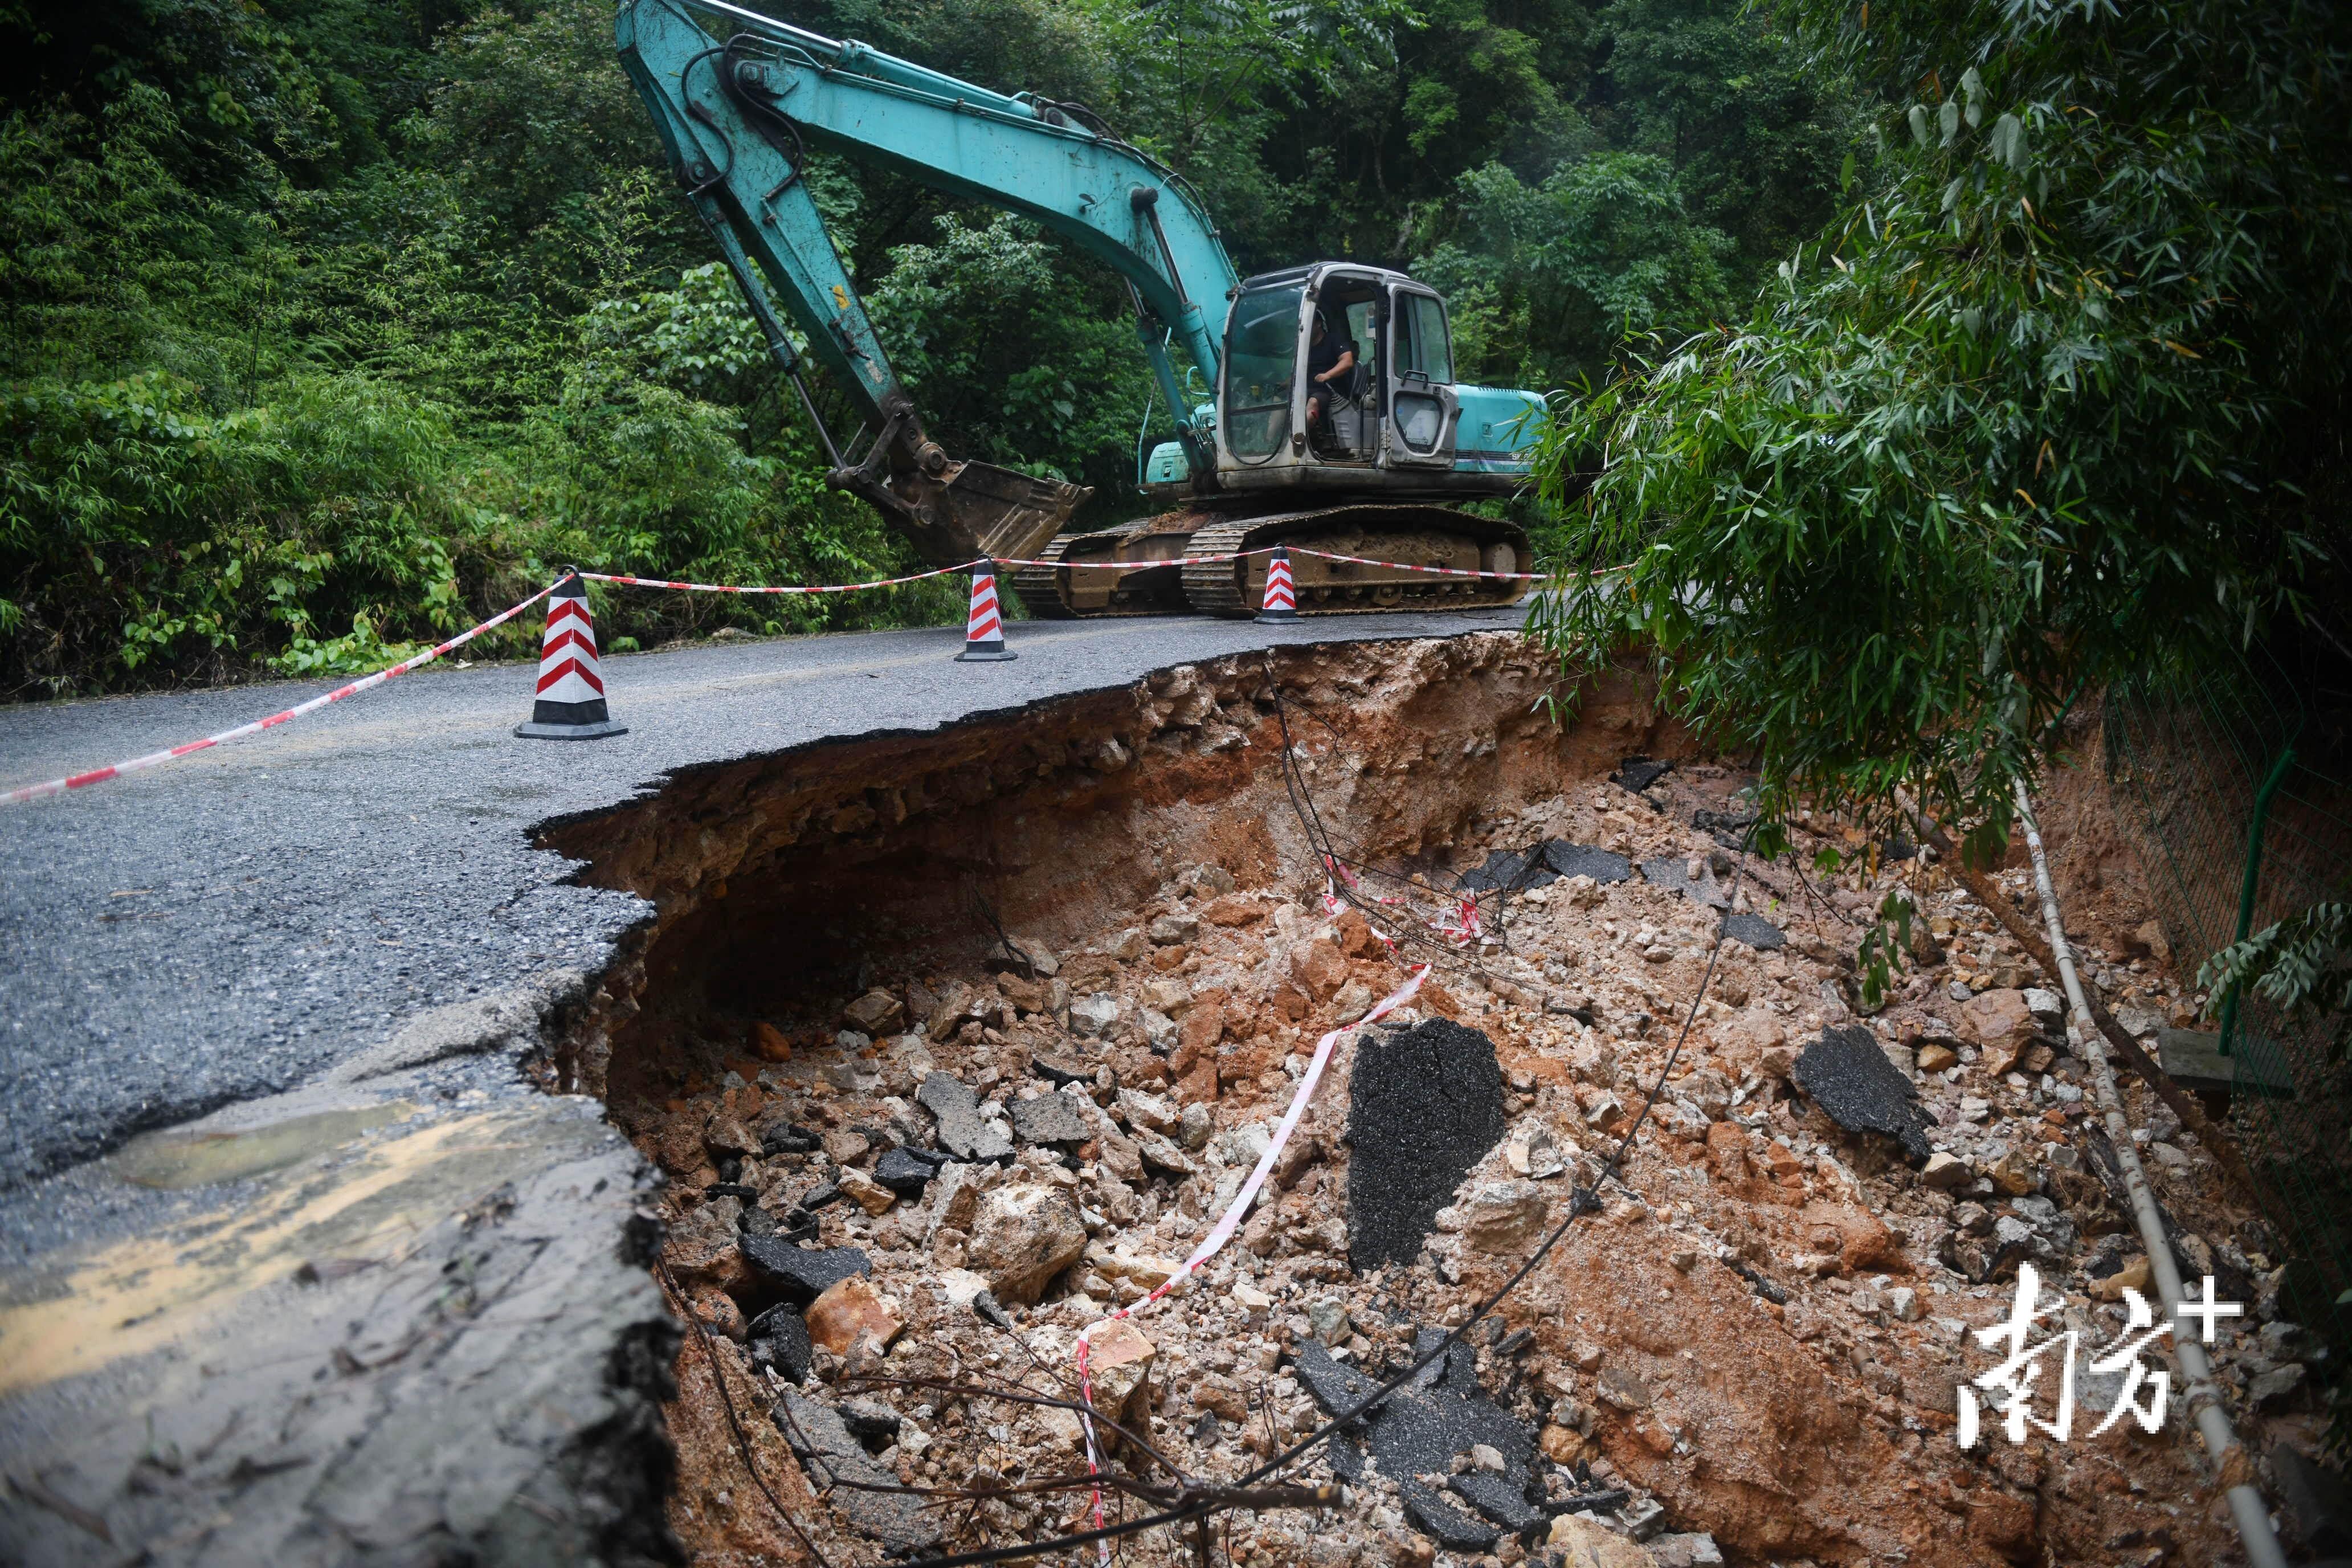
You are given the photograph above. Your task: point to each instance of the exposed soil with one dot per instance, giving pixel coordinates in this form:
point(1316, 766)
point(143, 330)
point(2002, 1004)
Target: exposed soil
point(1757, 1340)
point(2098, 876)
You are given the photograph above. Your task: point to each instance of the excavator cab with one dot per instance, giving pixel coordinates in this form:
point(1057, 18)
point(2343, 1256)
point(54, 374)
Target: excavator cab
point(1393, 424)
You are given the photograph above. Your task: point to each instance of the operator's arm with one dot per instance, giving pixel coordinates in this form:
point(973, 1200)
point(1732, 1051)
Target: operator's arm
point(1346, 363)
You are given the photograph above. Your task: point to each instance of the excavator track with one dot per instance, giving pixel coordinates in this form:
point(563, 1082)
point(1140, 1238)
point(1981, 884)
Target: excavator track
point(1152, 588)
point(1410, 535)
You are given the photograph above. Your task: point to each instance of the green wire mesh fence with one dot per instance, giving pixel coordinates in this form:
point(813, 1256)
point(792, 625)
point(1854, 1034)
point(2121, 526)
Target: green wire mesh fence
point(2233, 779)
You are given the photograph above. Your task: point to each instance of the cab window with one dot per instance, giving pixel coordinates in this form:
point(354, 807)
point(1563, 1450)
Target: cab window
point(1261, 365)
point(1363, 330)
point(1421, 342)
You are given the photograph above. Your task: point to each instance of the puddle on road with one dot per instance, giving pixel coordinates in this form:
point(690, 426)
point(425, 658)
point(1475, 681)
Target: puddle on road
point(177, 1160)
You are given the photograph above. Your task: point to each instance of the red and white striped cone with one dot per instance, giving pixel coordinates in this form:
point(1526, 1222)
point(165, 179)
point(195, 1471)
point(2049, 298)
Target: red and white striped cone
point(1281, 594)
point(571, 699)
point(984, 631)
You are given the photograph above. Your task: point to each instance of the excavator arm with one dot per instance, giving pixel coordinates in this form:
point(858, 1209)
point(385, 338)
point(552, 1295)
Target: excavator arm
point(740, 99)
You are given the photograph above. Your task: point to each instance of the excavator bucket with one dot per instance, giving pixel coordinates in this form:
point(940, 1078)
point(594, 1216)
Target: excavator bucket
point(974, 509)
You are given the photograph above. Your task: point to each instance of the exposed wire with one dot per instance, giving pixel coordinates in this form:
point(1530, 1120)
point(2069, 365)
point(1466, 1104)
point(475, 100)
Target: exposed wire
point(1584, 1201)
point(987, 913)
point(1830, 909)
point(967, 1391)
point(1446, 955)
point(1193, 1504)
point(734, 1423)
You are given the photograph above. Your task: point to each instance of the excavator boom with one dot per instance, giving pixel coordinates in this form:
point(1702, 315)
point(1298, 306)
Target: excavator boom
point(740, 99)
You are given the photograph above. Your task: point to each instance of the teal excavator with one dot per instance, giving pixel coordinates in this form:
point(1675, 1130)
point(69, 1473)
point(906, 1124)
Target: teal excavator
point(740, 100)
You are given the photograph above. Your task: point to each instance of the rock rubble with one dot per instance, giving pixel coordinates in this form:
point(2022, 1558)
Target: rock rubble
point(1821, 1206)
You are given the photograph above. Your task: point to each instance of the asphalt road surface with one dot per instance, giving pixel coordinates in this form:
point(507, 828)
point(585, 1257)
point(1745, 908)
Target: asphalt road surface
point(234, 923)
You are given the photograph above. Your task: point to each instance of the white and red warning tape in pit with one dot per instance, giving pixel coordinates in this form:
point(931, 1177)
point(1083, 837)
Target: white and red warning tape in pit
point(1460, 923)
point(1230, 1221)
point(156, 759)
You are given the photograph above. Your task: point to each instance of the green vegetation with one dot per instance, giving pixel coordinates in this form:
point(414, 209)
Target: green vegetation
point(2060, 393)
point(332, 326)
point(2297, 962)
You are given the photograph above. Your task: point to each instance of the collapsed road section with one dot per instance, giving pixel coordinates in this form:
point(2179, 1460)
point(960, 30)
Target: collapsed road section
point(293, 1263)
point(937, 1049)
point(950, 1048)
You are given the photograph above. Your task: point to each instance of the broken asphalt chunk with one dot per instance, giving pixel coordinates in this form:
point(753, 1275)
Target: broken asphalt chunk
point(871, 1422)
point(1638, 774)
point(1508, 868)
point(1720, 822)
point(1850, 1078)
point(1425, 1341)
point(801, 1273)
point(1049, 1119)
point(784, 1138)
point(1757, 1282)
point(1602, 866)
point(1673, 873)
point(962, 1131)
point(904, 1173)
point(1543, 865)
point(779, 1337)
point(1426, 1103)
point(1498, 1499)
point(1059, 1073)
point(1337, 1387)
point(1420, 1428)
point(1442, 1522)
point(1755, 930)
point(900, 1524)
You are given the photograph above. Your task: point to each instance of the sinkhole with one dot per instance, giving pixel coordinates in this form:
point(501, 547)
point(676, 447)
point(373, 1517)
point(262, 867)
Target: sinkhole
point(1116, 890)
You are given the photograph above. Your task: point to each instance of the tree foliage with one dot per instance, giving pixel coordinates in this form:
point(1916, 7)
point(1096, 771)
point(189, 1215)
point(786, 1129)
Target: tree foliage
point(2303, 964)
point(2060, 391)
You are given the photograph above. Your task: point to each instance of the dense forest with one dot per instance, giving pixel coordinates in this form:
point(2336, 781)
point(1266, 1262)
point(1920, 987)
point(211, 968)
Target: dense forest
point(332, 325)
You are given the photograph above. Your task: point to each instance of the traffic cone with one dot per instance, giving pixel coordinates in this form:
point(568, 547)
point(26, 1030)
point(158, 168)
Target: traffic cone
point(984, 632)
point(1281, 595)
point(571, 700)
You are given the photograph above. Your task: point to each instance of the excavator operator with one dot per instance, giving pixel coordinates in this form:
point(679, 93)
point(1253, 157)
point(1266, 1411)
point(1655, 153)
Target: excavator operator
point(1330, 372)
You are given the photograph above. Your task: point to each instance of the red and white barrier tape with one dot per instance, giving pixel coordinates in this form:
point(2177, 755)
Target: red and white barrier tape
point(155, 759)
point(1223, 1232)
point(138, 764)
point(1427, 571)
point(1074, 565)
point(628, 582)
point(1139, 565)
point(1296, 550)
